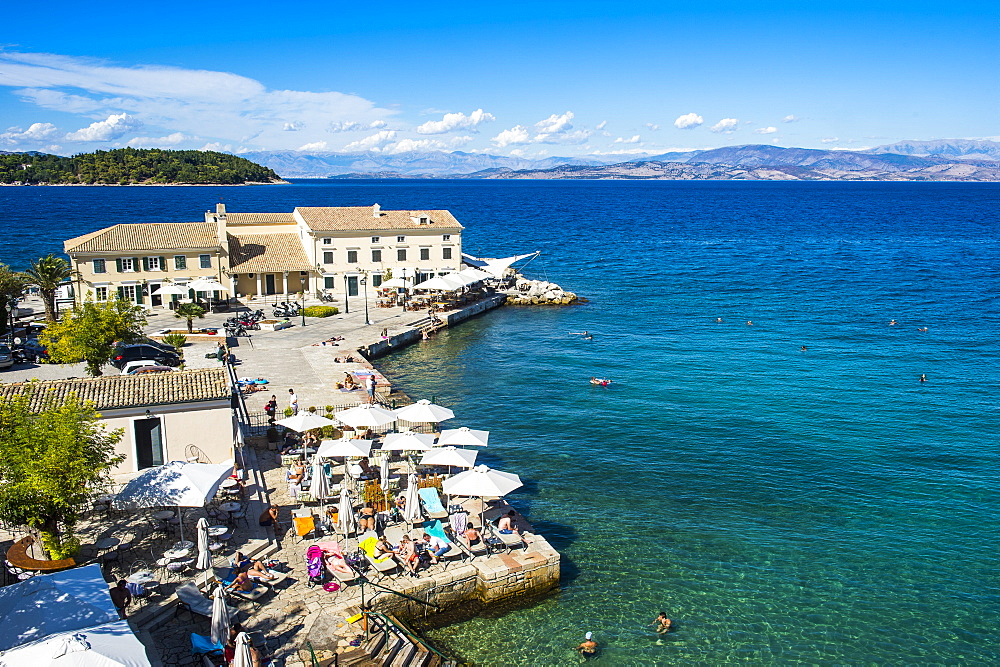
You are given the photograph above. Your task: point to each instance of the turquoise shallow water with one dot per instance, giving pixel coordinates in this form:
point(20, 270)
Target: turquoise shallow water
point(784, 507)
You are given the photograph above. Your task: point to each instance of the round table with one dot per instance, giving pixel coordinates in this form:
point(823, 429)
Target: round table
point(176, 554)
point(107, 543)
point(230, 484)
point(216, 531)
point(230, 507)
point(163, 515)
point(183, 544)
point(145, 578)
point(104, 499)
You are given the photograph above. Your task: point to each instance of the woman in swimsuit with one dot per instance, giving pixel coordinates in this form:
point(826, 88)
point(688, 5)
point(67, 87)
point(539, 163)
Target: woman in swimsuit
point(367, 519)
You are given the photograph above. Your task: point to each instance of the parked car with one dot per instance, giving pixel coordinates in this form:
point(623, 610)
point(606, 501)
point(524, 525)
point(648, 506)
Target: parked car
point(6, 357)
point(133, 366)
point(31, 350)
point(126, 353)
point(149, 341)
point(143, 370)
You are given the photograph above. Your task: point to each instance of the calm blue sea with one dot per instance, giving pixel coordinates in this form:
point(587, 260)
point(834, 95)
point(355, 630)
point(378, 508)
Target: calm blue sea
point(783, 506)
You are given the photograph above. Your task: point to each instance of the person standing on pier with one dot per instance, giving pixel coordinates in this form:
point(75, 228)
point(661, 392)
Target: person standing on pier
point(370, 386)
point(293, 401)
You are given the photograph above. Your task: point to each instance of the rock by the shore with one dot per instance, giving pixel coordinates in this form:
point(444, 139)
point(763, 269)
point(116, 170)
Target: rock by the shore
point(539, 292)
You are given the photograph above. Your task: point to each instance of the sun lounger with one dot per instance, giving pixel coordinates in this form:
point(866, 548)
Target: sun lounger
point(436, 529)
point(431, 501)
point(333, 561)
point(252, 596)
point(384, 564)
point(189, 598)
point(304, 525)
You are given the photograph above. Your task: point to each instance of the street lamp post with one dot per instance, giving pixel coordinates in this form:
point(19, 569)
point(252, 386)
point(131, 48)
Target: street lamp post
point(364, 284)
point(303, 308)
point(347, 307)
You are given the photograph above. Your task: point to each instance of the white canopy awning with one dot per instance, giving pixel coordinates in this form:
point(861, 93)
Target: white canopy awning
point(108, 645)
point(495, 266)
point(176, 484)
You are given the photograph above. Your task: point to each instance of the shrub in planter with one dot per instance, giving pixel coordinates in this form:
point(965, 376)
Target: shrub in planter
point(330, 432)
point(329, 408)
point(175, 340)
point(320, 311)
point(329, 415)
point(289, 412)
point(312, 408)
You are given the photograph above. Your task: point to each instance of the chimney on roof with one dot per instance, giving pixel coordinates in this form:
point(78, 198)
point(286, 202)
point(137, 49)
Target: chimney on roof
point(376, 211)
point(220, 210)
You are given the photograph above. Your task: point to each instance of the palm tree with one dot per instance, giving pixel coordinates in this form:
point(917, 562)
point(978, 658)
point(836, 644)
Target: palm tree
point(189, 311)
point(47, 273)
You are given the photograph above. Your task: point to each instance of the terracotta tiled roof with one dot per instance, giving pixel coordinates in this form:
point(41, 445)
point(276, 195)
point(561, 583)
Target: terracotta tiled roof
point(259, 218)
point(349, 218)
point(130, 237)
point(266, 253)
point(111, 392)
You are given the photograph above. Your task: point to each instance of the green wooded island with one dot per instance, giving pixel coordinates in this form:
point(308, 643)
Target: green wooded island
point(132, 166)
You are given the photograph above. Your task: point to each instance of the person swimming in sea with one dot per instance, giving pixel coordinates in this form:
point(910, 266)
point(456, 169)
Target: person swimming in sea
point(923, 377)
point(589, 647)
point(600, 382)
point(579, 333)
point(662, 623)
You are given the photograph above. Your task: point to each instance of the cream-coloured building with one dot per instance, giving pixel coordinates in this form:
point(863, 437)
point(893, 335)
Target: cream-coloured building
point(165, 417)
point(313, 249)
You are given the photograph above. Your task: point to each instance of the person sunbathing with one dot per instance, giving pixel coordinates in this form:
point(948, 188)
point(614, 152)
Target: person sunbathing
point(366, 520)
point(335, 563)
point(506, 523)
point(471, 535)
point(408, 555)
point(349, 382)
point(383, 548)
point(367, 471)
point(242, 582)
point(257, 570)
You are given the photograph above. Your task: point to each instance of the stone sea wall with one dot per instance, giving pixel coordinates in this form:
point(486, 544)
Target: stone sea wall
point(539, 292)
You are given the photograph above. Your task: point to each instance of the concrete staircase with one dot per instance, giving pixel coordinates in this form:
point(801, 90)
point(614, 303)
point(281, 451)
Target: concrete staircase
point(391, 645)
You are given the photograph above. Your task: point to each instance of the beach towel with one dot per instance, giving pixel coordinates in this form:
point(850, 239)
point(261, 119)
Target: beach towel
point(459, 522)
point(201, 645)
point(368, 546)
point(437, 530)
point(431, 500)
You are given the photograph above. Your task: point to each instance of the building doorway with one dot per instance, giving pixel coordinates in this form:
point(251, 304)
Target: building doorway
point(269, 284)
point(148, 443)
point(352, 285)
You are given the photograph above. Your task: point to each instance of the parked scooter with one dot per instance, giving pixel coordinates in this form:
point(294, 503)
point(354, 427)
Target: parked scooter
point(286, 309)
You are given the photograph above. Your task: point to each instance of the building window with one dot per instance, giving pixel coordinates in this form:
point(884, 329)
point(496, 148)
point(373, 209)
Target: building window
point(376, 279)
point(153, 264)
point(376, 255)
point(101, 293)
point(205, 261)
point(445, 253)
point(401, 255)
point(180, 262)
point(446, 237)
point(100, 266)
point(128, 292)
point(352, 256)
point(400, 239)
point(127, 264)
point(327, 241)
point(328, 258)
point(376, 239)
point(327, 282)
point(425, 254)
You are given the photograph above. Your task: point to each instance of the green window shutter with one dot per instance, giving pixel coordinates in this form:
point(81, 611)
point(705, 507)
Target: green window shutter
point(145, 263)
point(121, 293)
point(191, 294)
point(118, 264)
point(163, 264)
point(135, 263)
point(138, 294)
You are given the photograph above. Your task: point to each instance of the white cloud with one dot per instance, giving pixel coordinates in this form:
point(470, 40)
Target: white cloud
point(36, 132)
point(653, 126)
point(633, 140)
point(115, 126)
point(411, 145)
point(181, 100)
point(354, 126)
point(217, 147)
point(456, 121)
point(688, 121)
point(374, 142)
point(601, 125)
point(314, 146)
point(555, 124)
point(292, 127)
point(172, 139)
point(515, 135)
point(790, 118)
point(765, 130)
point(726, 125)
point(829, 140)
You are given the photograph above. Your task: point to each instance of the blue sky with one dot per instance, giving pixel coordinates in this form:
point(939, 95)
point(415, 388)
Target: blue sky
point(529, 79)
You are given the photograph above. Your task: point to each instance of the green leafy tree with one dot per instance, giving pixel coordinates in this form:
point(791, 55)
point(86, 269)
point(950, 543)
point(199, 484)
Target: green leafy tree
point(47, 273)
point(189, 311)
point(11, 287)
point(88, 332)
point(54, 455)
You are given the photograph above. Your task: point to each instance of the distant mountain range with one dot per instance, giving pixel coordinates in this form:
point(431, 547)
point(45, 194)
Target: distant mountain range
point(946, 159)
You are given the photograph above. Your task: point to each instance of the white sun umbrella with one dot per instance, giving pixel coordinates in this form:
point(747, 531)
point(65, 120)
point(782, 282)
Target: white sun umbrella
point(424, 411)
point(383, 477)
point(176, 484)
point(464, 436)
point(220, 616)
point(170, 289)
point(204, 555)
point(108, 645)
point(441, 283)
point(320, 487)
point(397, 282)
point(345, 513)
point(411, 511)
point(348, 447)
point(244, 656)
point(408, 441)
point(450, 456)
point(209, 285)
point(473, 275)
point(305, 421)
point(481, 481)
point(366, 415)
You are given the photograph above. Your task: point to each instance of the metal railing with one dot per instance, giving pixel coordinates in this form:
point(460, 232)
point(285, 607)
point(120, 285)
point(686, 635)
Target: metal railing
point(392, 625)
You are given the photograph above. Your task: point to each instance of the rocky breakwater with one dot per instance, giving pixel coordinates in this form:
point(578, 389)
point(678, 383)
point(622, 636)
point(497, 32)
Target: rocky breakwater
point(539, 292)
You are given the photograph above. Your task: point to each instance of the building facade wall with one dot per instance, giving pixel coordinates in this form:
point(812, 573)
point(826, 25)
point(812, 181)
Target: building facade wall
point(136, 275)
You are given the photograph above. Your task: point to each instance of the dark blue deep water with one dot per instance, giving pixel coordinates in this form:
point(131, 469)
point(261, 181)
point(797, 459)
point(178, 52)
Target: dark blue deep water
point(783, 506)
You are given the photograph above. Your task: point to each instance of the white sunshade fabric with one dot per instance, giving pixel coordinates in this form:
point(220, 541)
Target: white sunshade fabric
point(345, 514)
point(495, 266)
point(450, 456)
point(408, 441)
point(473, 275)
point(204, 555)
point(305, 421)
point(108, 645)
point(365, 415)
point(168, 289)
point(411, 511)
point(465, 436)
point(207, 285)
point(220, 616)
point(443, 283)
point(338, 448)
point(397, 282)
point(176, 484)
point(425, 412)
point(481, 481)
point(48, 604)
point(320, 488)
